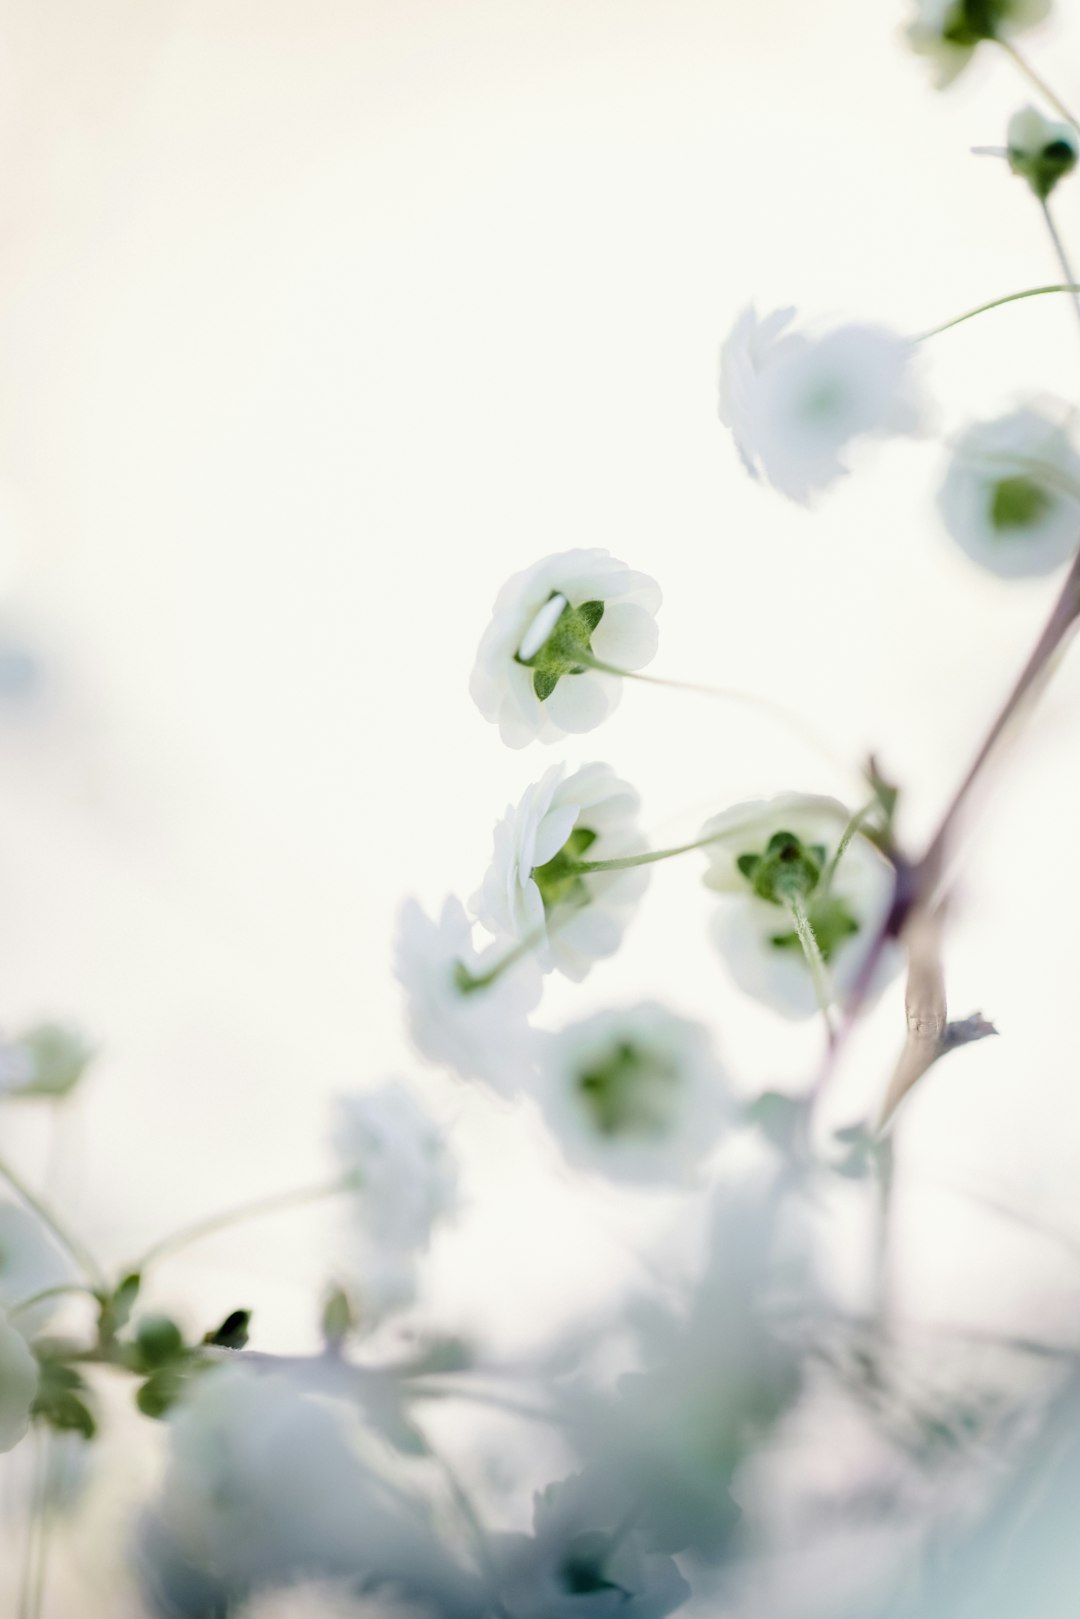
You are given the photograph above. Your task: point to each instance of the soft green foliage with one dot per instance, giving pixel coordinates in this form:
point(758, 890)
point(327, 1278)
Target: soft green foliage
point(628, 1094)
point(63, 1399)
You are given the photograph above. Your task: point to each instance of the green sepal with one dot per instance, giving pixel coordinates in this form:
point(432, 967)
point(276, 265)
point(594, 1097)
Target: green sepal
point(233, 1331)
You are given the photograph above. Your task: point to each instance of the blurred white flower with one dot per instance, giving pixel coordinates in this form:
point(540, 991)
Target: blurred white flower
point(318, 1600)
point(795, 403)
point(405, 1180)
point(948, 32)
point(636, 1095)
point(586, 1559)
point(267, 1482)
point(464, 1009)
point(46, 1060)
point(18, 1384)
point(1041, 150)
point(30, 1262)
point(534, 675)
point(531, 893)
point(758, 847)
point(1011, 495)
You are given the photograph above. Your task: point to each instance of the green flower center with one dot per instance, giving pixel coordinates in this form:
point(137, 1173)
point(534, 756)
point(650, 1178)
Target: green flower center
point(788, 870)
point(582, 1570)
point(630, 1092)
point(567, 649)
point(1019, 503)
point(559, 881)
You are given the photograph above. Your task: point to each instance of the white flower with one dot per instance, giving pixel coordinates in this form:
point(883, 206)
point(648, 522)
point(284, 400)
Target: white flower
point(405, 1181)
point(1040, 149)
point(531, 894)
point(318, 1600)
point(586, 1560)
point(30, 1261)
point(534, 675)
point(18, 1384)
point(949, 32)
point(794, 403)
point(269, 1481)
point(636, 1095)
point(463, 1009)
point(1011, 495)
point(758, 847)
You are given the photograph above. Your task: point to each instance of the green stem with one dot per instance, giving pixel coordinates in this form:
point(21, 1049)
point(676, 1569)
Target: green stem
point(276, 1204)
point(997, 303)
point(59, 1291)
point(845, 841)
point(1062, 255)
point(1036, 81)
point(468, 981)
point(66, 1238)
point(650, 857)
point(819, 973)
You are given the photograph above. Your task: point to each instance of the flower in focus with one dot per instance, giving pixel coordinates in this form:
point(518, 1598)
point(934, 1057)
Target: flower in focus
point(587, 1560)
point(636, 1095)
point(46, 1060)
point(949, 32)
point(405, 1180)
point(1041, 150)
point(465, 1010)
point(536, 674)
point(18, 1384)
point(533, 894)
point(1011, 495)
point(794, 403)
point(765, 854)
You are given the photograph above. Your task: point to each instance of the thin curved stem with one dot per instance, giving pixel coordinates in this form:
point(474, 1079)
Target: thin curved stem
point(998, 303)
point(1062, 255)
point(819, 973)
point(1037, 81)
point(61, 1290)
point(278, 1203)
point(67, 1239)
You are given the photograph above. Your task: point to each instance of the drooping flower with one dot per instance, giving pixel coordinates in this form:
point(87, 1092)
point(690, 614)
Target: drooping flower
point(18, 1384)
point(587, 1559)
point(949, 32)
point(1011, 495)
point(405, 1181)
point(466, 1009)
point(636, 1095)
point(795, 403)
point(536, 673)
point(533, 894)
point(765, 853)
point(1041, 150)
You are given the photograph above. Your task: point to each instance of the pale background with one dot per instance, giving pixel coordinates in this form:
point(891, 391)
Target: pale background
point(316, 321)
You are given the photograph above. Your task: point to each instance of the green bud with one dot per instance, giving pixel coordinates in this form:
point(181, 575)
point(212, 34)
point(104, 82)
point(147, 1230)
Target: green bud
point(339, 1319)
point(158, 1342)
point(233, 1331)
point(1042, 152)
point(57, 1057)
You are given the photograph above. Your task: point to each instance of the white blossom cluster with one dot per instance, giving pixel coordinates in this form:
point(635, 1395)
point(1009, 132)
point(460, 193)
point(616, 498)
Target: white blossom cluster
point(323, 1484)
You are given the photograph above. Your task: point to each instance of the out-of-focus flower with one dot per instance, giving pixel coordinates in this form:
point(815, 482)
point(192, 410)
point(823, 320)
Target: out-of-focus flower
point(636, 1095)
point(949, 32)
point(30, 1262)
point(267, 1483)
point(1041, 150)
point(536, 674)
point(405, 1180)
point(587, 1559)
point(1011, 495)
point(756, 852)
point(48, 1059)
point(532, 893)
point(465, 1009)
point(18, 1384)
point(795, 403)
point(318, 1600)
